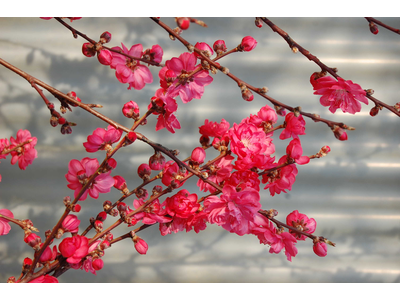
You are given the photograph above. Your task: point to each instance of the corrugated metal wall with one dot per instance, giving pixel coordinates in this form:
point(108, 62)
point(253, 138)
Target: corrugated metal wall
point(353, 193)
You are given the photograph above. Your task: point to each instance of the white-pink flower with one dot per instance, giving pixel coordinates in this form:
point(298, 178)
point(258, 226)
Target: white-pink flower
point(80, 171)
point(129, 70)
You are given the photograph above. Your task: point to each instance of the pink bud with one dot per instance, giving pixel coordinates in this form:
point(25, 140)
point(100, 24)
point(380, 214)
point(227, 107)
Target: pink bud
point(198, 155)
point(219, 46)
point(105, 37)
point(27, 262)
point(204, 47)
point(32, 240)
point(248, 43)
point(140, 245)
point(72, 94)
point(97, 264)
point(325, 149)
point(61, 120)
point(76, 208)
point(88, 50)
point(102, 216)
point(53, 121)
point(131, 110)
point(157, 161)
point(70, 224)
point(258, 22)
point(339, 133)
point(111, 163)
point(130, 138)
point(120, 183)
point(98, 225)
point(183, 23)
point(373, 28)
point(247, 95)
point(320, 249)
point(105, 57)
point(144, 171)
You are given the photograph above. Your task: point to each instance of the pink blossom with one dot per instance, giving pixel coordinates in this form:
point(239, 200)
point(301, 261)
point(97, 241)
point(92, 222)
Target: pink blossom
point(234, 211)
point(70, 224)
point(302, 223)
point(295, 151)
point(74, 248)
point(182, 204)
point(320, 249)
point(219, 171)
point(294, 126)
point(152, 214)
point(4, 226)
point(80, 171)
point(176, 225)
point(248, 43)
point(268, 235)
point(156, 53)
point(166, 111)
point(25, 154)
point(4, 145)
point(243, 179)
point(129, 70)
point(131, 110)
point(197, 221)
point(102, 139)
point(251, 146)
point(264, 119)
point(198, 155)
point(48, 255)
point(44, 279)
point(214, 129)
point(172, 173)
point(187, 89)
point(105, 57)
point(204, 47)
point(280, 179)
point(343, 94)
point(141, 246)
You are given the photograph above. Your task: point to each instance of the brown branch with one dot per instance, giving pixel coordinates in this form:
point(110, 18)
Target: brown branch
point(395, 30)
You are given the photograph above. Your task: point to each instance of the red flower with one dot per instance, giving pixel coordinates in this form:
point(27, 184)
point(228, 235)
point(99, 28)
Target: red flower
point(294, 151)
point(74, 248)
point(25, 154)
point(182, 205)
point(44, 279)
point(343, 94)
point(302, 223)
point(214, 129)
point(294, 126)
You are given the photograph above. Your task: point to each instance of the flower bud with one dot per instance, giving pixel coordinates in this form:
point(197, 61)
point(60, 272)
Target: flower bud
point(320, 249)
point(67, 200)
point(374, 111)
point(140, 245)
point(26, 265)
point(258, 22)
point(183, 23)
point(247, 95)
point(61, 121)
point(98, 225)
point(373, 28)
point(33, 240)
point(219, 47)
point(88, 50)
point(121, 207)
point(131, 110)
point(207, 51)
point(144, 171)
point(97, 264)
point(156, 190)
point(107, 205)
point(198, 155)
point(204, 140)
point(157, 161)
point(105, 57)
point(53, 121)
point(66, 129)
point(120, 184)
point(102, 216)
point(339, 133)
point(110, 164)
point(105, 37)
point(76, 208)
point(72, 94)
point(280, 110)
point(248, 43)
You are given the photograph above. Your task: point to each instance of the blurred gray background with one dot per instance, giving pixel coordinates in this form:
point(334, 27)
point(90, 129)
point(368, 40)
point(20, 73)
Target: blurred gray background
point(353, 193)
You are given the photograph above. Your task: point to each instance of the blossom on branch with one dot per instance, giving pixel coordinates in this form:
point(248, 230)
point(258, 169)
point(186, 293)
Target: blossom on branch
point(4, 226)
point(74, 248)
point(343, 94)
point(24, 154)
point(102, 139)
point(294, 126)
point(302, 223)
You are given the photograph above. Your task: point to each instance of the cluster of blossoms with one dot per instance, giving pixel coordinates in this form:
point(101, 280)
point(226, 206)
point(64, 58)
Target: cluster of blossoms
point(21, 148)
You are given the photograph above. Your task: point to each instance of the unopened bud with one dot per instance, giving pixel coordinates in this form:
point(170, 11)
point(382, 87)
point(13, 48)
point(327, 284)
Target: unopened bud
point(370, 92)
point(144, 171)
point(101, 216)
point(339, 133)
point(98, 225)
point(156, 190)
point(295, 49)
point(183, 23)
point(263, 90)
point(88, 50)
point(53, 121)
point(374, 111)
point(204, 140)
point(67, 200)
point(247, 95)
point(66, 129)
point(280, 110)
point(107, 205)
point(258, 22)
point(225, 70)
point(157, 161)
point(373, 28)
point(296, 111)
point(105, 37)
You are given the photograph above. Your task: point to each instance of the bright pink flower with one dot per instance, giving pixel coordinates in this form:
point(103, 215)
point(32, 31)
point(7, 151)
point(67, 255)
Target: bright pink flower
point(295, 151)
point(234, 211)
point(176, 225)
point(48, 255)
point(130, 71)
point(187, 89)
point(152, 214)
point(294, 126)
point(172, 172)
point(80, 171)
point(203, 47)
point(219, 171)
point(105, 57)
point(198, 155)
point(44, 279)
point(264, 119)
point(74, 248)
point(320, 249)
point(4, 226)
point(251, 146)
point(302, 223)
point(102, 139)
point(282, 178)
point(214, 129)
point(141, 246)
point(244, 179)
point(248, 43)
point(156, 53)
point(182, 205)
point(197, 221)
point(343, 94)
point(166, 111)
point(70, 224)
point(25, 154)
point(131, 110)
point(268, 235)
point(4, 145)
